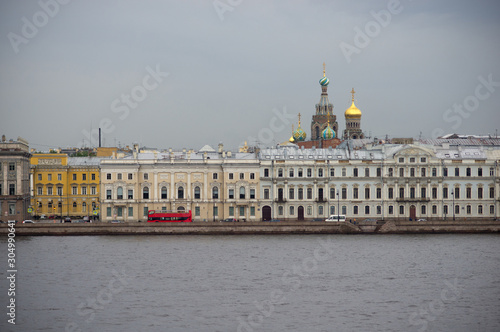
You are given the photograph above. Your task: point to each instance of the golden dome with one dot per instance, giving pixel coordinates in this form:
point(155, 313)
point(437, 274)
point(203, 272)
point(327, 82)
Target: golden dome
point(352, 112)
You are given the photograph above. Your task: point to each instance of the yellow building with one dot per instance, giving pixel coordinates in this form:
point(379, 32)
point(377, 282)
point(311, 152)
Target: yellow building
point(64, 186)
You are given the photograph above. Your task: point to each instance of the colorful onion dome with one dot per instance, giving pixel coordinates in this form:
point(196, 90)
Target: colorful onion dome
point(299, 134)
point(328, 133)
point(352, 112)
point(324, 81)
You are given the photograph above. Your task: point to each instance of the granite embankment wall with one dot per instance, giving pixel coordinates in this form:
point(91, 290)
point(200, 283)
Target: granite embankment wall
point(390, 227)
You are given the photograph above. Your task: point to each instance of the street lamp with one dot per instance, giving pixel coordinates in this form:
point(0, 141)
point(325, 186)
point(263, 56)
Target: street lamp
point(338, 206)
point(453, 207)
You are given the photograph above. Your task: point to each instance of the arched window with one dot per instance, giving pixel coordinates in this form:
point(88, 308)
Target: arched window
point(163, 192)
point(309, 193)
point(180, 192)
point(197, 194)
point(292, 210)
point(215, 193)
point(242, 192)
point(119, 193)
point(317, 132)
point(181, 208)
point(280, 172)
point(84, 207)
point(74, 206)
point(145, 193)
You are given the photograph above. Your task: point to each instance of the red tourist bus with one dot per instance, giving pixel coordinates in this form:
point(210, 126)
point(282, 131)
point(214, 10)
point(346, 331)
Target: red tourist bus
point(169, 216)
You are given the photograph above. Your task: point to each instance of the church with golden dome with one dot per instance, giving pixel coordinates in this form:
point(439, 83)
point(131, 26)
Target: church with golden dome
point(324, 125)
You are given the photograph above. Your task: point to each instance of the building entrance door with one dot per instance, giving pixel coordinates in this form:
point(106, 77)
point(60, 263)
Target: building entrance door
point(413, 212)
point(301, 212)
point(266, 213)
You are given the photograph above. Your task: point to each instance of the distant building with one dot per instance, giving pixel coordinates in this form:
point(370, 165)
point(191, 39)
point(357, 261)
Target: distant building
point(14, 180)
point(353, 121)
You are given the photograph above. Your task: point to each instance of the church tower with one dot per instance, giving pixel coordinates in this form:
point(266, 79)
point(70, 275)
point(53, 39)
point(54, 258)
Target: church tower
point(353, 121)
point(324, 109)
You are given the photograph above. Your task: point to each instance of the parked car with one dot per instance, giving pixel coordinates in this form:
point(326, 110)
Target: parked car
point(43, 216)
point(67, 219)
point(28, 222)
point(78, 221)
point(421, 219)
point(230, 219)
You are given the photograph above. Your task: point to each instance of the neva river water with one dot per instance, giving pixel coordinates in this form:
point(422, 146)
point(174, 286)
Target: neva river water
point(256, 283)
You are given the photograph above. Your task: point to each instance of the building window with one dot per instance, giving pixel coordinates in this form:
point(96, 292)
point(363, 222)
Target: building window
point(309, 172)
point(367, 193)
point(108, 212)
point(367, 209)
point(379, 172)
point(49, 191)
point(367, 172)
point(355, 172)
point(457, 209)
point(401, 172)
point(457, 171)
point(344, 171)
point(145, 211)
point(280, 172)
point(479, 171)
point(412, 160)
point(445, 171)
point(423, 209)
point(74, 190)
point(492, 192)
point(215, 176)
point(242, 176)
point(492, 171)
point(301, 193)
point(434, 193)
point(74, 177)
point(266, 172)
point(280, 210)
point(332, 209)
point(401, 160)
point(355, 193)
point(379, 193)
point(242, 211)
point(344, 193)
point(320, 210)
point(423, 192)
point(84, 177)
point(379, 209)
point(108, 194)
point(39, 190)
point(309, 193)
point(146, 176)
point(39, 177)
point(468, 192)
point(344, 209)
point(215, 192)
point(391, 209)
point(231, 211)
point(130, 176)
point(180, 193)
point(93, 176)
point(130, 212)
point(266, 193)
point(445, 192)
point(332, 193)
point(291, 193)
point(434, 171)
point(84, 207)
point(355, 209)
point(332, 172)
point(242, 192)
point(401, 209)
point(468, 171)
point(231, 176)
point(469, 209)
point(292, 210)
point(492, 209)
point(309, 210)
point(130, 194)
point(422, 172)
point(108, 176)
point(320, 172)
point(231, 193)
point(391, 171)
point(164, 192)
point(457, 193)
point(300, 172)
point(434, 209)
point(252, 176)
point(412, 172)
point(196, 211)
point(84, 190)
point(252, 193)
point(145, 193)
point(445, 209)
point(480, 192)
point(402, 192)
point(12, 166)
point(49, 177)
point(252, 211)
point(59, 191)
point(479, 209)
point(119, 176)
point(390, 193)
point(412, 192)
point(423, 160)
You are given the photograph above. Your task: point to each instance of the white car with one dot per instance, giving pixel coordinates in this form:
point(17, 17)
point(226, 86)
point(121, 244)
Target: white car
point(28, 222)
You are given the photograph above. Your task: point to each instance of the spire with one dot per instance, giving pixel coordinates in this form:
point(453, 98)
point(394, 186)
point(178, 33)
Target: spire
point(353, 92)
point(299, 120)
point(324, 70)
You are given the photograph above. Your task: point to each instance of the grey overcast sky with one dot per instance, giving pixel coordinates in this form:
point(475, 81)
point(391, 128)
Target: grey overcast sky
point(183, 74)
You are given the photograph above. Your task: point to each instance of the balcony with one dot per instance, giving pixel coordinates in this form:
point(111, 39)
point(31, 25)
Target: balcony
point(280, 200)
